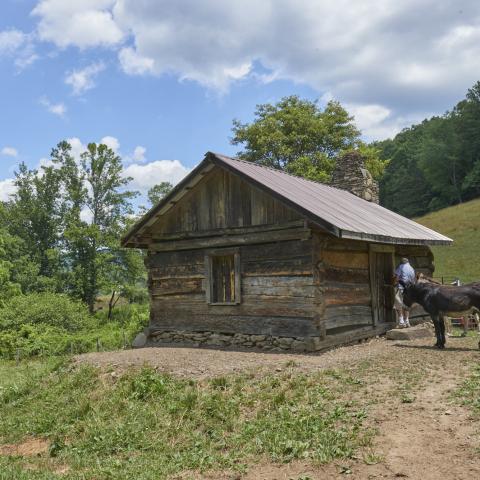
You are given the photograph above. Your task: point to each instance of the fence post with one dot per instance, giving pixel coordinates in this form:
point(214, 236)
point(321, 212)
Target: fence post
point(17, 357)
point(124, 340)
point(71, 348)
point(98, 344)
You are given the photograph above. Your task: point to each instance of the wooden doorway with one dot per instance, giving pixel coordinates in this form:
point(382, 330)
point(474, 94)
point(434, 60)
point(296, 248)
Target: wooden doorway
point(381, 283)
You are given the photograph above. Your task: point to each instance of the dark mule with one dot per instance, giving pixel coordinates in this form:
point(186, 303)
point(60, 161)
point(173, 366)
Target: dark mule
point(443, 300)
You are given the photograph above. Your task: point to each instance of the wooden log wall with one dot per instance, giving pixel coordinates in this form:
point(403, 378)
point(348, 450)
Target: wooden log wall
point(345, 284)
point(277, 292)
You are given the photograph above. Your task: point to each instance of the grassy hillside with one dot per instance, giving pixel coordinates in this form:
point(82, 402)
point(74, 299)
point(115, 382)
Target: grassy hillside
point(81, 423)
point(462, 224)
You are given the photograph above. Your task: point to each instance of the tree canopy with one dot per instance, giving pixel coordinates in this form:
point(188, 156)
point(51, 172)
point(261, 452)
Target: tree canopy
point(62, 227)
point(299, 137)
point(436, 163)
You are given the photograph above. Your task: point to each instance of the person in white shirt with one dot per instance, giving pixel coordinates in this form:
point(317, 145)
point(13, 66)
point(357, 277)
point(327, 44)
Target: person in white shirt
point(404, 276)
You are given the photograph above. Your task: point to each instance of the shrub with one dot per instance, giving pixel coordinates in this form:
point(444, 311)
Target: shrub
point(55, 310)
point(131, 316)
point(51, 324)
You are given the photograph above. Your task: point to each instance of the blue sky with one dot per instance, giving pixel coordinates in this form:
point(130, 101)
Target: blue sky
point(161, 81)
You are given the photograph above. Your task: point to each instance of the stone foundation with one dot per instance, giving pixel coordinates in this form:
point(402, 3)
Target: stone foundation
point(239, 340)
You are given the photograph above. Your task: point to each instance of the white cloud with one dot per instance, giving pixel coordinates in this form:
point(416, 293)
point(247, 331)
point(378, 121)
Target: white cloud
point(139, 154)
point(56, 108)
point(134, 64)
point(11, 40)
point(19, 45)
point(111, 142)
point(378, 55)
point(147, 175)
point(83, 79)
point(9, 152)
point(77, 147)
point(7, 188)
point(82, 23)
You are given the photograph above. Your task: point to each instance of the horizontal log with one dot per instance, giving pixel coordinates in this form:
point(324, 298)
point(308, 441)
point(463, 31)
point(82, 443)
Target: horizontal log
point(350, 275)
point(354, 335)
point(176, 286)
point(232, 240)
point(228, 231)
point(298, 266)
point(337, 314)
point(175, 259)
point(285, 286)
point(190, 304)
point(337, 293)
point(349, 321)
point(345, 259)
point(265, 325)
point(332, 243)
point(412, 250)
point(276, 251)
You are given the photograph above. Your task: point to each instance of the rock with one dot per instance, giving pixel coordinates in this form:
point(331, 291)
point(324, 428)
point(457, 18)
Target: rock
point(258, 338)
point(411, 333)
point(299, 345)
point(140, 341)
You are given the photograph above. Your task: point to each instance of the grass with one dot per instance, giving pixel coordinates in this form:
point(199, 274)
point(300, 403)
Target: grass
point(147, 425)
point(462, 224)
point(469, 392)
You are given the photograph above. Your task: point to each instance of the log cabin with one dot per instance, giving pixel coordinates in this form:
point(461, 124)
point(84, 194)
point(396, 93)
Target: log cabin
point(243, 255)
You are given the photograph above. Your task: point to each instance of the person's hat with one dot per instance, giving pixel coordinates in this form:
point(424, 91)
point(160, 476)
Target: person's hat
point(404, 260)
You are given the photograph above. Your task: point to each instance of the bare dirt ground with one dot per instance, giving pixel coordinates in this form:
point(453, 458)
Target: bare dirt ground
point(206, 363)
point(422, 432)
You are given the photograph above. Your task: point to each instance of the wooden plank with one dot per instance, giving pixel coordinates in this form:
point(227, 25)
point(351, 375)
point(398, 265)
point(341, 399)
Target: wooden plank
point(337, 244)
point(176, 286)
point(318, 274)
point(252, 238)
point(353, 335)
point(374, 247)
point(237, 278)
point(162, 259)
point(277, 250)
point(266, 325)
point(374, 287)
point(235, 230)
point(299, 266)
point(350, 321)
point(347, 294)
point(345, 259)
point(333, 313)
point(192, 304)
point(347, 275)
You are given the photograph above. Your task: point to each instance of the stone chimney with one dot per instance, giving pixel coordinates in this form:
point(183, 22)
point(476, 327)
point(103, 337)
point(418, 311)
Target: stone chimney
point(350, 174)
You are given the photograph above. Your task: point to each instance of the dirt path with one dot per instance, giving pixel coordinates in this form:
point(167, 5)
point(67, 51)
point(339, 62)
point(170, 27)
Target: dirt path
point(421, 432)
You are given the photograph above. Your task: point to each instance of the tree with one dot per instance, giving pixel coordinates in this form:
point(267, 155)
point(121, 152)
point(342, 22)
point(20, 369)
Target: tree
point(8, 287)
point(157, 192)
point(96, 191)
point(297, 136)
point(35, 215)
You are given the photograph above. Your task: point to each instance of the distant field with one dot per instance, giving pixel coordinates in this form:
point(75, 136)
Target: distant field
point(462, 224)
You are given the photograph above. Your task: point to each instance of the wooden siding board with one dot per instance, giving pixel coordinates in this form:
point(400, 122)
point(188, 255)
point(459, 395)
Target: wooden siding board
point(267, 325)
point(222, 200)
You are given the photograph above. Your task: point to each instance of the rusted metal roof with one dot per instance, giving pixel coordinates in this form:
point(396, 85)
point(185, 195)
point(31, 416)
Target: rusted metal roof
point(337, 211)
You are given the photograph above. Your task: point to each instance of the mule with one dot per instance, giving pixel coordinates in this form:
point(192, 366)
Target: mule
point(443, 300)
